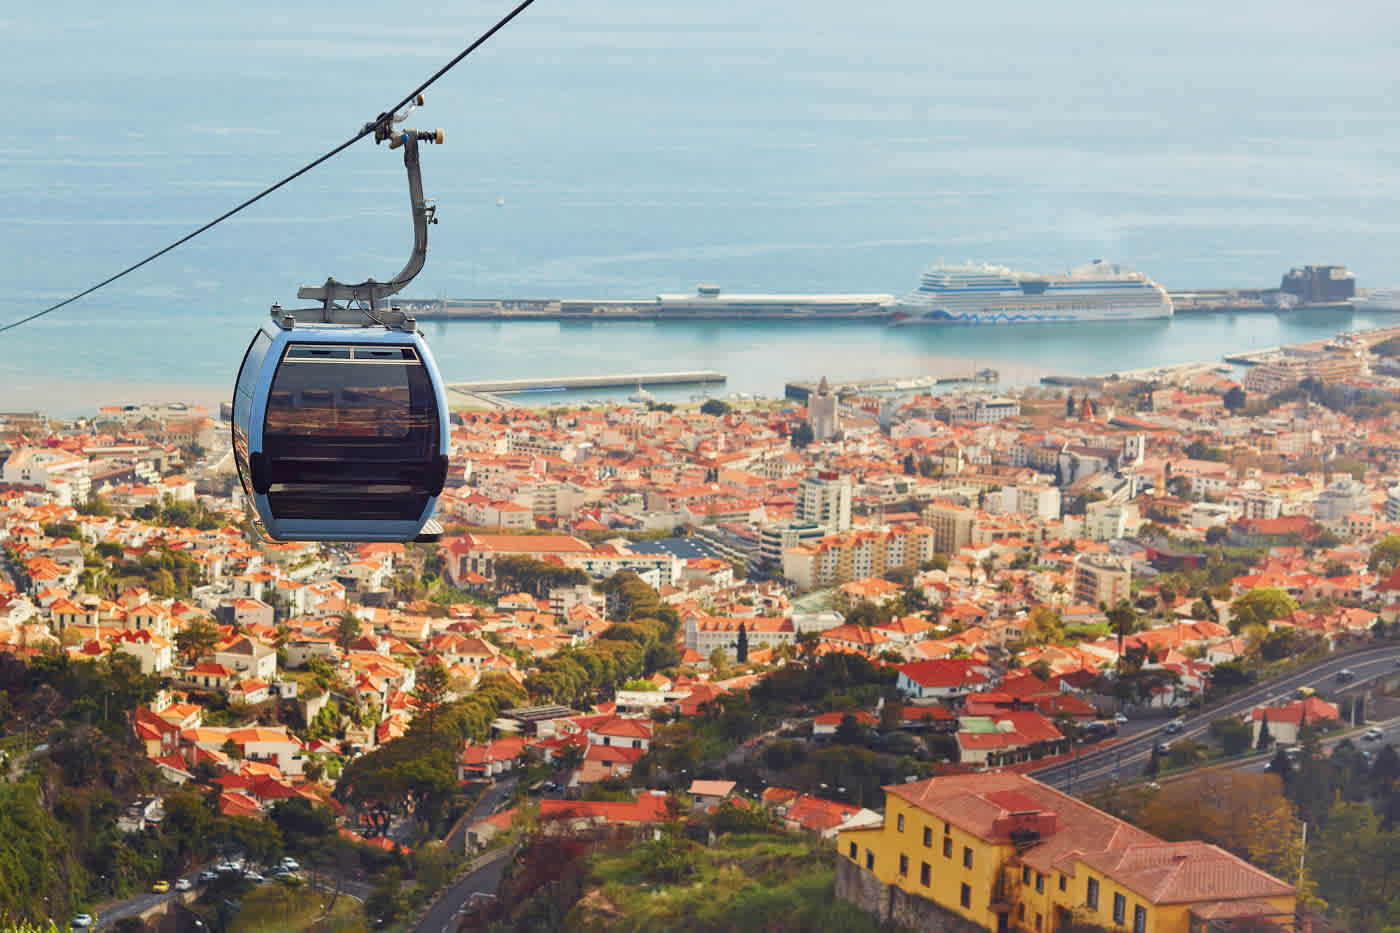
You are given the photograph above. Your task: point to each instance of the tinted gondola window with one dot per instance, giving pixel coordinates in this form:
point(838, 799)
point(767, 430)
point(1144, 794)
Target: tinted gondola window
point(351, 431)
point(243, 393)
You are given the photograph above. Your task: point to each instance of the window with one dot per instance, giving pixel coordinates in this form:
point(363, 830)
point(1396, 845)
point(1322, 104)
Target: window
point(1120, 908)
point(1037, 922)
point(947, 828)
point(925, 874)
point(1091, 896)
point(1139, 919)
point(967, 857)
point(853, 850)
point(965, 896)
point(904, 864)
point(1039, 883)
point(869, 860)
point(1064, 882)
point(899, 823)
point(1025, 875)
point(928, 837)
point(947, 848)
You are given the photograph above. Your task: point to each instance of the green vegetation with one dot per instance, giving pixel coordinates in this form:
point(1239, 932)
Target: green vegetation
point(763, 882)
point(278, 908)
point(419, 769)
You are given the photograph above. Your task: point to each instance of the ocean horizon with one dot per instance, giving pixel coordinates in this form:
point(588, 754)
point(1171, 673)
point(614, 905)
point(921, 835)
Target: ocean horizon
point(636, 149)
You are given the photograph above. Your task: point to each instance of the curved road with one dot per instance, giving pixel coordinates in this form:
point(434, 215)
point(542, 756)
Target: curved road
point(1128, 757)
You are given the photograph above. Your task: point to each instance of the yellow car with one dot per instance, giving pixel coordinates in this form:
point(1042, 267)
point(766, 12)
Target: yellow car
point(160, 887)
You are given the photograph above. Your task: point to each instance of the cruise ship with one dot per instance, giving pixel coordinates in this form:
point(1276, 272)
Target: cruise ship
point(987, 294)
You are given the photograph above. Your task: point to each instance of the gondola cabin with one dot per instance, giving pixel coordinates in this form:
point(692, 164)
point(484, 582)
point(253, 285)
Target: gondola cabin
point(340, 433)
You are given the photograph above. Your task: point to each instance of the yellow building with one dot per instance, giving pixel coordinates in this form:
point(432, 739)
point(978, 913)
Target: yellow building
point(1005, 852)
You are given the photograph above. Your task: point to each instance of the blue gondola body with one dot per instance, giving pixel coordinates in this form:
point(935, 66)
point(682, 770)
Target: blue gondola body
point(340, 433)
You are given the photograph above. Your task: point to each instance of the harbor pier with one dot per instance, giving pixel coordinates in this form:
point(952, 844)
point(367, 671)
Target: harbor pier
point(564, 383)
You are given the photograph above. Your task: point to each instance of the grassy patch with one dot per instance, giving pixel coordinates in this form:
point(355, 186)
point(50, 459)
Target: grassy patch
point(765, 883)
point(276, 908)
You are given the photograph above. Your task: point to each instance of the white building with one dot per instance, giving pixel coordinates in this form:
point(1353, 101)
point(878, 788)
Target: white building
point(825, 499)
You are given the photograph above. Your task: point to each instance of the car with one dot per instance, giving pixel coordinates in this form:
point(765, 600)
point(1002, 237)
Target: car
point(253, 877)
point(183, 884)
point(1373, 734)
point(1345, 675)
point(82, 920)
point(1174, 727)
point(1163, 747)
point(1120, 719)
point(207, 876)
point(290, 863)
point(1397, 662)
point(160, 887)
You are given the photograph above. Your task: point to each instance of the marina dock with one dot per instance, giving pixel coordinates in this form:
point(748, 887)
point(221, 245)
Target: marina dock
point(564, 383)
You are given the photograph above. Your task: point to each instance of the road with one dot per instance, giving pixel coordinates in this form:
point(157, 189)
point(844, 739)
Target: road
point(490, 802)
point(109, 914)
point(446, 913)
point(1127, 757)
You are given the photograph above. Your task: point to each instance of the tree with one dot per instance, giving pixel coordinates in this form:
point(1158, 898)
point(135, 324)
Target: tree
point(1234, 735)
point(1260, 606)
point(1069, 405)
point(1246, 814)
point(719, 662)
point(1265, 739)
point(1385, 554)
point(430, 689)
point(347, 629)
point(741, 652)
point(714, 406)
point(802, 435)
point(197, 640)
point(1235, 398)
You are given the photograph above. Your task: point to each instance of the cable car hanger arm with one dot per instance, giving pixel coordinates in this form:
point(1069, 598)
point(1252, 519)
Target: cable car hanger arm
point(336, 296)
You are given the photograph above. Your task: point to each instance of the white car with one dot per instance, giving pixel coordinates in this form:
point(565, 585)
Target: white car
point(82, 920)
point(1373, 734)
point(1120, 719)
point(290, 864)
point(183, 884)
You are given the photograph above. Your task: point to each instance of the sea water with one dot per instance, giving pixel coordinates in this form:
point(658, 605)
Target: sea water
point(627, 149)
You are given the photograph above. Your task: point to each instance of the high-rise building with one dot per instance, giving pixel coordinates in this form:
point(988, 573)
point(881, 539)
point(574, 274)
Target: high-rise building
point(825, 498)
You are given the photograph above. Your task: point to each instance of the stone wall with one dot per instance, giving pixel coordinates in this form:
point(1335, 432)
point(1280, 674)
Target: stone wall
point(888, 902)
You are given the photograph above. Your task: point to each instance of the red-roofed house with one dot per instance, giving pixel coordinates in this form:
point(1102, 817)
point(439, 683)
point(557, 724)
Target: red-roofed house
point(941, 678)
point(1285, 721)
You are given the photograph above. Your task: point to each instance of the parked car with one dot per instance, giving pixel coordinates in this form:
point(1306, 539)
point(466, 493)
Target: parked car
point(253, 877)
point(160, 887)
point(183, 884)
point(82, 920)
point(1373, 734)
point(290, 863)
point(1120, 719)
point(206, 876)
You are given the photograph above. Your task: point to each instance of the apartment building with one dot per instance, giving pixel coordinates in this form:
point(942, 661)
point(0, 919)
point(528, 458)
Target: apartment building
point(1102, 579)
point(852, 555)
point(1001, 851)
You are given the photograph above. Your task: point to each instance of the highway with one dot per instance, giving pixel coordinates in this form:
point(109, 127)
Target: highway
point(1127, 757)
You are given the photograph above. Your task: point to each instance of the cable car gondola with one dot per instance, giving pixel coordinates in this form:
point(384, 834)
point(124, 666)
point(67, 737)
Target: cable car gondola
point(340, 418)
